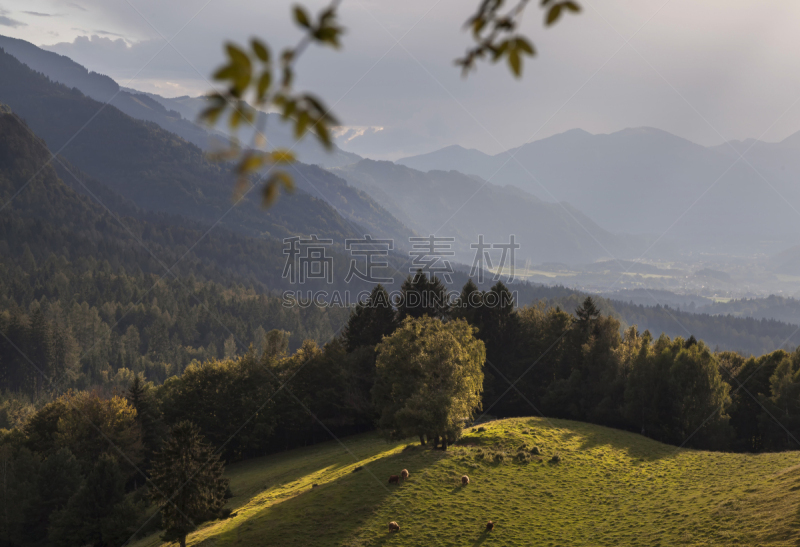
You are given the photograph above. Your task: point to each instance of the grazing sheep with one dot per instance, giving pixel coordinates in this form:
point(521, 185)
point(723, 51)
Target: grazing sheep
point(464, 480)
point(404, 474)
point(394, 527)
point(489, 526)
point(394, 479)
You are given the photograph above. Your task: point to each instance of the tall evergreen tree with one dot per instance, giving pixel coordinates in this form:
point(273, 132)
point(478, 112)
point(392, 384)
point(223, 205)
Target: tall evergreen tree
point(586, 314)
point(468, 304)
point(98, 513)
point(499, 329)
point(423, 296)
point(59, 477)
point(147, 416)
point(187, 482)
point(370, 321)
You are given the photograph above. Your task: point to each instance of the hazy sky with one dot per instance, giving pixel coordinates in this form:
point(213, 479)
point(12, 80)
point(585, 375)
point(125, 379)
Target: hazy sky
point(708, 71)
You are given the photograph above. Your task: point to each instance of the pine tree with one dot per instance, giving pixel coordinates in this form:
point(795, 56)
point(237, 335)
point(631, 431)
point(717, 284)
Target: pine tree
point(59, 477)
point(469, 303)
point(587, 313)
point(370, 321)
point(423, 296)
point(147, 415)
point(187, 482)
point(98, 513)
point(40, 351)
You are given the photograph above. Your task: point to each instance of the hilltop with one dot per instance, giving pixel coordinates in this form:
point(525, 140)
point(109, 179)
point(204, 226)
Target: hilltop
point(610, 488)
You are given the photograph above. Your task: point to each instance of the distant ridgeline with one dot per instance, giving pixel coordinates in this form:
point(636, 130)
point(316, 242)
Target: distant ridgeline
point(142, 319)
point(77, 273)
point(109, 270)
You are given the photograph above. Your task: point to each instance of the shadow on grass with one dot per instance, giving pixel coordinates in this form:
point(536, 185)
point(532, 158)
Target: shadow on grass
point(250, 477)
point(635, 446)
point(334, 513)
point(483, 537)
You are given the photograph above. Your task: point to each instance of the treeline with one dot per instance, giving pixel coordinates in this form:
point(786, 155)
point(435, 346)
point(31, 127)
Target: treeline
point(745, 334)
point(75, 465)
point(99, 328)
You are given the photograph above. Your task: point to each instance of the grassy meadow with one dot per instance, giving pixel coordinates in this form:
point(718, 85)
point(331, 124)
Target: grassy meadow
point(610, 487)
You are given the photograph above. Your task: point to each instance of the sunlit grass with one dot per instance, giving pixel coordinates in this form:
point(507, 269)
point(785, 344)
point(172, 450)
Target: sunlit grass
point(610, 488)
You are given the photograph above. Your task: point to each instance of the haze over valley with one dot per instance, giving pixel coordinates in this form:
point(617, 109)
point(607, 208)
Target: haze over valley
point(256, 263)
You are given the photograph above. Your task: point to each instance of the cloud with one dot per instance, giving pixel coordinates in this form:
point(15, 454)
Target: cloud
point(346, 133)
point(123, 58)
point(9, 22)
point(40, 14)
point(107, 33)
point(77, 6)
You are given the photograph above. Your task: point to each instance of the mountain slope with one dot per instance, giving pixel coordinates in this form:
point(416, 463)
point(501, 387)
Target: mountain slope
point(279, 133)
point(103, 89)
point(648, 181)
point(161, 172)
point(461, 206)
point(611, 488)
point(174, 115)
point(62, 212)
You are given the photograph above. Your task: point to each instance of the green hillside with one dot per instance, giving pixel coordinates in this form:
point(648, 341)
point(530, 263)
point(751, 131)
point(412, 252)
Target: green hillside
point(610, 488)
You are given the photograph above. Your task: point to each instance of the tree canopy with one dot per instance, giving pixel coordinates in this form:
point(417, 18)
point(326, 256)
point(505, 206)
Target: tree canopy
point(429, 379)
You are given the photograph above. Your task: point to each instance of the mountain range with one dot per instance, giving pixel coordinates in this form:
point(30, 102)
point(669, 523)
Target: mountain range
point(160, 171)
point(176, 115)
point(648, 181)
point(381, 199)
point(125, 194)
point(451, 204)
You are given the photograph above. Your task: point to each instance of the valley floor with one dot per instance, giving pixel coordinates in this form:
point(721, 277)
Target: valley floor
point(610, 488)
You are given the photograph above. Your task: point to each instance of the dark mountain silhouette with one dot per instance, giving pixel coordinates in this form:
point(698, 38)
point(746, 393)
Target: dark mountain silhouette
point(159, 171)
point(175, 115)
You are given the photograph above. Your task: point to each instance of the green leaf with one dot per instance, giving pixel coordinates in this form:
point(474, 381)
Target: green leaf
point(525, 46)
point(227, 72)
point(553, 14)
point(270, 191)
point(260, 49)
point(515, 62)
point(235, 119)
point(263, 84)
point(301, 124)
point(571, 6)
point(323, 134)
point(289, 107)
point(301, 17)
point(288, 76)
point(238, 57)
point(477, 25)
point(285, 180)
point(282, 155)
point(269, 194)
point(250, 163)
point(211, 114)
point(500, 49)
point(242, 183)
point(316, 103)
